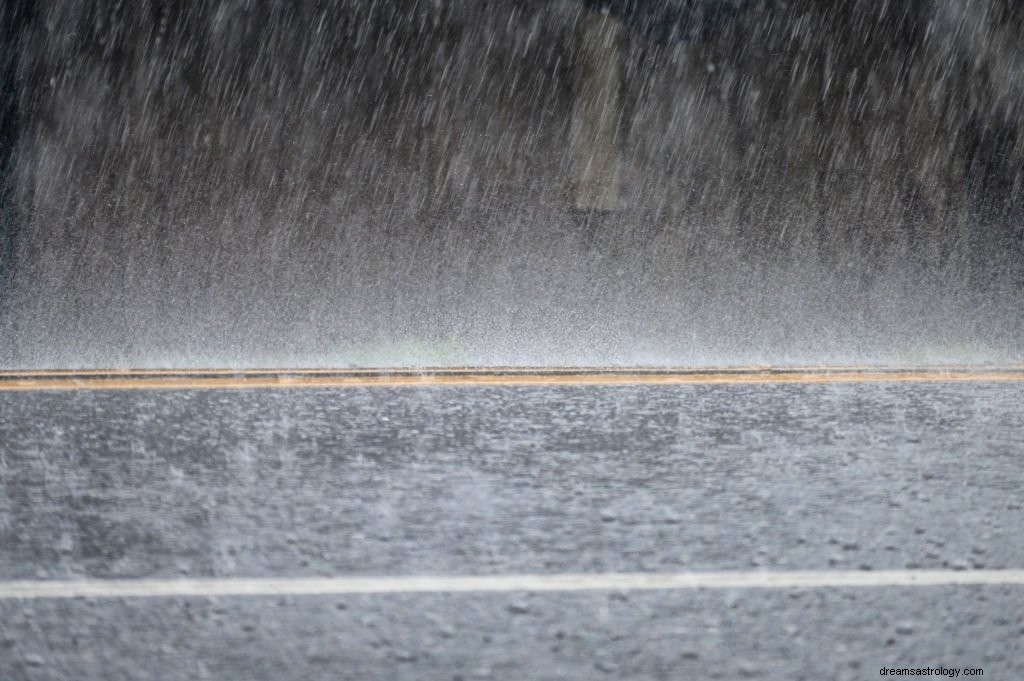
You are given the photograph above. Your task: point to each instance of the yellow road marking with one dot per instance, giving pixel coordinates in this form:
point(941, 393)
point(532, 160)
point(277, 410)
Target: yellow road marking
point(209, 379)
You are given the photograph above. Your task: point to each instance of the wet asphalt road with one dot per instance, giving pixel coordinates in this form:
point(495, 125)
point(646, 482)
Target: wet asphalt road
point(499, 480)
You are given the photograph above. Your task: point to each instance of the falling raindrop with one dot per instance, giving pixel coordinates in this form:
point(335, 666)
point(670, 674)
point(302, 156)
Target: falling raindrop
point(584, 182)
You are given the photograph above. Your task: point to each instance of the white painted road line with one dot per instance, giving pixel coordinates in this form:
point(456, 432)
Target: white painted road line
point(308, 586)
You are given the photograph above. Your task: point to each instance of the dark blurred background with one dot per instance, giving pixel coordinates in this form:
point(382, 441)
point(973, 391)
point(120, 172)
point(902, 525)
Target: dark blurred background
point(233, 182)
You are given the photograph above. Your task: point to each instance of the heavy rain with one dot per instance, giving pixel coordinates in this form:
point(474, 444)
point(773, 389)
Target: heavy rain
point(540, 182)
point(511, 339)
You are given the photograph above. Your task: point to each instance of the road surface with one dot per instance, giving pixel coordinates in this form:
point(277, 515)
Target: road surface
point(713, 485)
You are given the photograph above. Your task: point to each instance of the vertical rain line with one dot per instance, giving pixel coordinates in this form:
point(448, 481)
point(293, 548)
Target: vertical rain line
point(14, 16)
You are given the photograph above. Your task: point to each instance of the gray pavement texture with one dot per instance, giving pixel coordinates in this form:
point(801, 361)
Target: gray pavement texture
point(813, 635)
point(495, 480)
